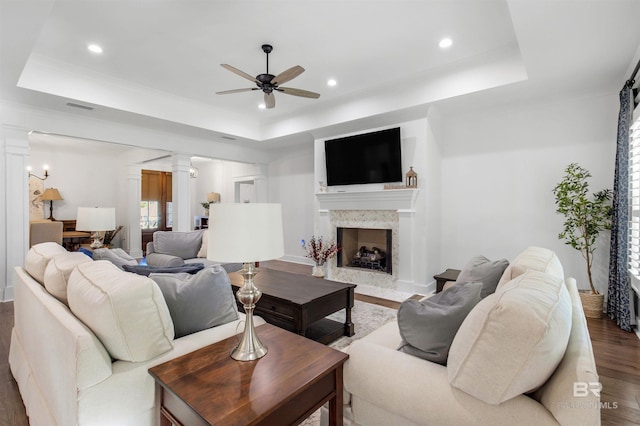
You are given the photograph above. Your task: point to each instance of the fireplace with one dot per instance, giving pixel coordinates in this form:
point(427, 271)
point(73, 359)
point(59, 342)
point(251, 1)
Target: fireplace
point(387, 211)
point(365, 248)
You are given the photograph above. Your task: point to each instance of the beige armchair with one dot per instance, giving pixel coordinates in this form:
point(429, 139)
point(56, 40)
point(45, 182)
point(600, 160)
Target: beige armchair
point(45, 231)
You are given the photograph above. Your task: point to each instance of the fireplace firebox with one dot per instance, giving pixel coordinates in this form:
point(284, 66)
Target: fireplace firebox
point(365, 248)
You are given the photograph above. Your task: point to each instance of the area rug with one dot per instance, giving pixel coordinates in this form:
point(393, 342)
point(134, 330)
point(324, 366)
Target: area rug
point(366, 317)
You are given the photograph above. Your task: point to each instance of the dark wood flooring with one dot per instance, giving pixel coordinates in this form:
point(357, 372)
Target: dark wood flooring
point(617, 357)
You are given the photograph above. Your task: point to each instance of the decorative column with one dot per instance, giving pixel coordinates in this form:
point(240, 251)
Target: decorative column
point(133, 233)
point(14, 205)
point(406, 279)
point(181, 192)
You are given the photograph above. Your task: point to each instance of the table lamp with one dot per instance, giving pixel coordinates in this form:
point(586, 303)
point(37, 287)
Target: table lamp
point(51, 195)
point(213, 197)
point(246, 233)
point(96, 220)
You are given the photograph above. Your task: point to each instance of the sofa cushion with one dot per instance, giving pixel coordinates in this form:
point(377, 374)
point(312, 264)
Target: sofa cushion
point(39, 256)
point(513, 340)
point(202, 253)
point(117, 256)
point(427, 327)
point(482, 270)
point(126, 311)
point(200, 301)
point(182, 244)
point(57, 273)
point(535, 259)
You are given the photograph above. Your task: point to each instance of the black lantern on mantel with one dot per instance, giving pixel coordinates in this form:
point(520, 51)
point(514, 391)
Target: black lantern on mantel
point(412, 178)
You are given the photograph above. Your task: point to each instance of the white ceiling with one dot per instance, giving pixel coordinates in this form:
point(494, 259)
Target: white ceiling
point(161, 60)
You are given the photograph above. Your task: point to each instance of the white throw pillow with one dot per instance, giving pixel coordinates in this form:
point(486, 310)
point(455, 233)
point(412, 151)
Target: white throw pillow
point(39, 256)
point(126, 311)
point(535, 259)
point(57, 273)
point(205, 242)
point(513, 340)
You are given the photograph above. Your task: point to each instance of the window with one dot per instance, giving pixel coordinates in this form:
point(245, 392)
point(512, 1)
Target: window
point(148, 214)
point(169, 215)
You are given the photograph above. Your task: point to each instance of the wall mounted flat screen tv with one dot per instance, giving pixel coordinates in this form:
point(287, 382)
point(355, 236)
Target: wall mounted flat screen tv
point(367, 158)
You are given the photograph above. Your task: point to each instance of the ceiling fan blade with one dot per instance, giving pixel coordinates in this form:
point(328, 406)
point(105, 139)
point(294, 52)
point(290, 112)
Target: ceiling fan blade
point(226, 92)
point(298, 92)
point(240, 73)
point(287, 75)
point(269, 100)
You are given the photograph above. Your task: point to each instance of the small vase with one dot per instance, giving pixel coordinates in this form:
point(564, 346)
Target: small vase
point(318, 271)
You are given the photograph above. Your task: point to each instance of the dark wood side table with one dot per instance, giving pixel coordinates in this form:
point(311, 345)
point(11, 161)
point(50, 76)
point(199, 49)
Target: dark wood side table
point(300, 303)
point(295, 378)
point(71, 240)
point(443, 277)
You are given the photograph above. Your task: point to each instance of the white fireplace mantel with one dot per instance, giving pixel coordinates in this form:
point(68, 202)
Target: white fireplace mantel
point(390, 199)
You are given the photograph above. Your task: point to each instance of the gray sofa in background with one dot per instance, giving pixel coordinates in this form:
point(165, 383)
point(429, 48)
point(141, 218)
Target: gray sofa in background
point(170, 248)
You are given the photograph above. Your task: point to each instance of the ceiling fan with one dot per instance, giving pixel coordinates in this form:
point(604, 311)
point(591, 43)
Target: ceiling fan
point(270, 83)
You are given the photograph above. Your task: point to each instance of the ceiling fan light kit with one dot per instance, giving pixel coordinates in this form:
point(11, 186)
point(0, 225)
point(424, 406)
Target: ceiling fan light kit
point(269, 83)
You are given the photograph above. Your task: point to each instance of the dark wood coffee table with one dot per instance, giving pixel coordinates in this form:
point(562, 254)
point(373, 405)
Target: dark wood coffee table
point(300, 303)
point(295, 378)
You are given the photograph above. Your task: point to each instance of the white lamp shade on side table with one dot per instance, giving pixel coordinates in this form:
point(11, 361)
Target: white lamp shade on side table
point(96, 219)
point(241, 232)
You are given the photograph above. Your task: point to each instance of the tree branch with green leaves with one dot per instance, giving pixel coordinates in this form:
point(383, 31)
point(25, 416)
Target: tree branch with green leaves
point(585, 216)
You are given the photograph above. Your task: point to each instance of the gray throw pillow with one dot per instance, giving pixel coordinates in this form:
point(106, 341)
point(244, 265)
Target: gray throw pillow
point(182, 244)
point(482, 270)
point(428, 327)
point(200, 301)
point(116, 256)
point(147, 270)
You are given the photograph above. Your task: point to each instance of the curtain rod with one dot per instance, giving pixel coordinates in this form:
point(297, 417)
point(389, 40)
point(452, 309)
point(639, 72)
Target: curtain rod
point(631, 80)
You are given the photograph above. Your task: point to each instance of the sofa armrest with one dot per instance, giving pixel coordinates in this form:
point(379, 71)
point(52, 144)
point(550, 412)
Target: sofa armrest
point(150, 248)
point(159, 259)
point(419, 391)
point(132, 390)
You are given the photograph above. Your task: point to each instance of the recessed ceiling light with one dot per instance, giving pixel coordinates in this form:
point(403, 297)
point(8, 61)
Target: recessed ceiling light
point(262, 106)
point(94, 48)
point(445, 42)
point(331, 82)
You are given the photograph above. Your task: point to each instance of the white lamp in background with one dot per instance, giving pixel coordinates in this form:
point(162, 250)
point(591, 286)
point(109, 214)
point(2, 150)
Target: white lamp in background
point(213, 197)
point(96, 220)
point(246, 233)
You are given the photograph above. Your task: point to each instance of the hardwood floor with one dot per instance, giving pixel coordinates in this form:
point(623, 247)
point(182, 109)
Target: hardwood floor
point(617, 357)
point(11, 408)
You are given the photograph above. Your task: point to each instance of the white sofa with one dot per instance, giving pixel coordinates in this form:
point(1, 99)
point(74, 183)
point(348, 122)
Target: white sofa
point(66, 375)
point(384, 386)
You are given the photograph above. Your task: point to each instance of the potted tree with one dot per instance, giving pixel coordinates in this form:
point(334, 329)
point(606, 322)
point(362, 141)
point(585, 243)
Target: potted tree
point(585, 217)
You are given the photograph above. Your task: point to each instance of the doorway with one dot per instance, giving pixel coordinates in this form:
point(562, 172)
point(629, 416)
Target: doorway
point(155, 204)
point(245, 191)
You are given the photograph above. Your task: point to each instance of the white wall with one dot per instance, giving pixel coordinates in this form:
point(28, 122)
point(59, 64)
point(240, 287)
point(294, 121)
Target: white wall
point(222, 176)
point(499, 167)
point(292, 184)
point(85, 175)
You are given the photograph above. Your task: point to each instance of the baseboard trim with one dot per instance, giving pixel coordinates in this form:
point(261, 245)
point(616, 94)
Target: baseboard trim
point(297, 259)
point(7, 295)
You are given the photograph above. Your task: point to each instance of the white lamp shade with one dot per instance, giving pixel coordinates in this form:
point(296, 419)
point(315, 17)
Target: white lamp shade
point(245, 232)
point(96, 219)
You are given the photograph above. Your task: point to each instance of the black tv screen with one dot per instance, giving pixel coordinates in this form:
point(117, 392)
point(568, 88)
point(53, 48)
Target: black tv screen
point(367, 158)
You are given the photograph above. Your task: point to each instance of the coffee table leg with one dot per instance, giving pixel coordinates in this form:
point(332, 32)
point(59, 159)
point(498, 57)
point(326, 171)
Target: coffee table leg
point(335, 403)
point(349, 329)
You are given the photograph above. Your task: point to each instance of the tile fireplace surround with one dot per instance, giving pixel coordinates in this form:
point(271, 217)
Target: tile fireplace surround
point(384, 209)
